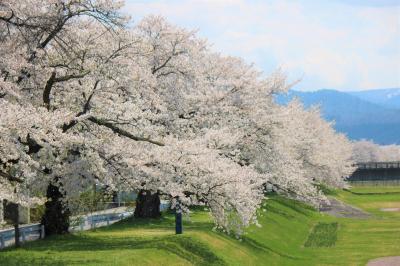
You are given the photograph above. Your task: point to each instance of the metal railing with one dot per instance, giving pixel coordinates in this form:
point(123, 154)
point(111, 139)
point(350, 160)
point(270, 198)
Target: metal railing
point(94, 220)
point(85, 222)
point(378, 165)
point(26, 232)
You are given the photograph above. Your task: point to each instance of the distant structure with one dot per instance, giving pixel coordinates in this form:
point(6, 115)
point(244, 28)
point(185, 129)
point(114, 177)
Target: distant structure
point(376, 171)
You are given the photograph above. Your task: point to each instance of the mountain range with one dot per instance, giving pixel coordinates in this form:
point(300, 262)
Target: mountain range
point(372, 114)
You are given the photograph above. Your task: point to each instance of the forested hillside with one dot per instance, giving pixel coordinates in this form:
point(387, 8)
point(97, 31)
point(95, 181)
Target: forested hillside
point(360, 115)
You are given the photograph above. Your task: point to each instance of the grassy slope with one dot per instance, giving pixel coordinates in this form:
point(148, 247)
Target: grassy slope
point(286, 226)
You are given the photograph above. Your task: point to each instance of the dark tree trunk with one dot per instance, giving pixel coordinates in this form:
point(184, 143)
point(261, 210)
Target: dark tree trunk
point(56, 216)
point(147, 205)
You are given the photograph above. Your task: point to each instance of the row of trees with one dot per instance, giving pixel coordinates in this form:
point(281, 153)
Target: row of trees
point(368, 151)
point(86, 99)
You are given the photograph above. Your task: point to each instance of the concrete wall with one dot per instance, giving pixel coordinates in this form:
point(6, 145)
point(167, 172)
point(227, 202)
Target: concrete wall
point(375, 174)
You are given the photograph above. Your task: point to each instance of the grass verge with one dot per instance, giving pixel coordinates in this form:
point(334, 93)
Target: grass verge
point(280, 240)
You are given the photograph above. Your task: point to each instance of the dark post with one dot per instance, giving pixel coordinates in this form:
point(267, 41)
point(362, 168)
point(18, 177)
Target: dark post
point(16, 229)
point(178, 219)
point(16, 226)
point(11, 214)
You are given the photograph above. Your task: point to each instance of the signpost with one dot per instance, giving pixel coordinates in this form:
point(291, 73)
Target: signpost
point(178, 220)
point(11, 213)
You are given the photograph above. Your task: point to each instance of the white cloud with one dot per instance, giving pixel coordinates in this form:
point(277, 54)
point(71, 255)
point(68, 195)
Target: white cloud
point(329, 44)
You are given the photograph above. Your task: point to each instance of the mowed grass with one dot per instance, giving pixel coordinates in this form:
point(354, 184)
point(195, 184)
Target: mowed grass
point(375, 189)
point(286, 226)
point(373, 199)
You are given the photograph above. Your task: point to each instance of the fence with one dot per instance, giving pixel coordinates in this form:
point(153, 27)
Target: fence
point(94, 220)
point(36, 231)
point(26, 232)
point(106, 217)
point(79, 223)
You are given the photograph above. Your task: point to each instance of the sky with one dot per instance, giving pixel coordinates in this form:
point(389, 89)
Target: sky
point(337, 44)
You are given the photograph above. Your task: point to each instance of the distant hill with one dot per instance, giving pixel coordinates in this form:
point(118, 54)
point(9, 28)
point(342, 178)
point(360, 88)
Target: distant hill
point(354, 114)
point(389, 98)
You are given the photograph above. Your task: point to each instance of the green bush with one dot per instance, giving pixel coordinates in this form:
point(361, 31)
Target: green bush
point(36, 213)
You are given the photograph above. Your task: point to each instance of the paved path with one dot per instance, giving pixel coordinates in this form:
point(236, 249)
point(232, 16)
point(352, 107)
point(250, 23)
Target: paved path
point(341, 209)
point(386, 261)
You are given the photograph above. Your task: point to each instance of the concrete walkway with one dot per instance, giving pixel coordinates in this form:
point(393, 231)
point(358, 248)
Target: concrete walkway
point(340, 209)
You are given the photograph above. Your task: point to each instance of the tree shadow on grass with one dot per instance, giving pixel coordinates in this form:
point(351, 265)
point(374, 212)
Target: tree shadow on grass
point(44, 261)
point(296, 206)
point(185, 247)
point(167, 221)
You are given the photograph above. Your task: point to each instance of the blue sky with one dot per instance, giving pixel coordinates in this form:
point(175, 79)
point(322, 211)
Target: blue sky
point(338, 44)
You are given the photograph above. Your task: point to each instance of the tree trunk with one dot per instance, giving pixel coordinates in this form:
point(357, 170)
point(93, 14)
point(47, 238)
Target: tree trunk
point(147, 205)
point(1, 211)
point(56, 216)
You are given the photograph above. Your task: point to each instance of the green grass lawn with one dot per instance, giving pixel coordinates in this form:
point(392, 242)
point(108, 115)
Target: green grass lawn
point(375, 189)
point(373, 199)
point(291, 233)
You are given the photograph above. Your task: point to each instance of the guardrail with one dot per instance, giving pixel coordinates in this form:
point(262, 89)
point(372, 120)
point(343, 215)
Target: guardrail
point(26, 232)
point(85, 222)
point(91, 221)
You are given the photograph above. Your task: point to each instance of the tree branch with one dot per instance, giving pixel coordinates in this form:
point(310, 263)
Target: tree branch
point(155, 69)
point(10, 177)
point(47, 90)
point(122, 132)
point(86, 109)
point(53, 79)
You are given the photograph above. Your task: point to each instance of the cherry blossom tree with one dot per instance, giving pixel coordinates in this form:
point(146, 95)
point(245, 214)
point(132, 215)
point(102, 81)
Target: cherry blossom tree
point(88, 100)
point(368, 151)
point(57, 56)
point(316, 152)
point(83, 85)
